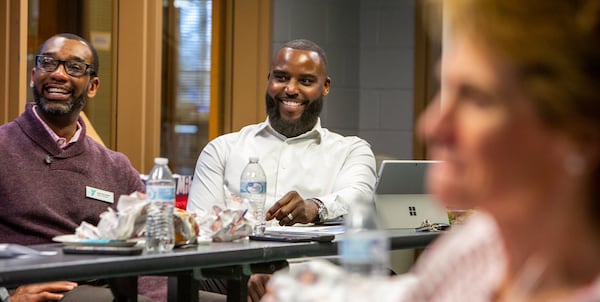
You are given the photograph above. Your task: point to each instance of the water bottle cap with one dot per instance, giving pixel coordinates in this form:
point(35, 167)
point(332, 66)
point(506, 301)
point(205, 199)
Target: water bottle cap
point(161, 160)
point(253, 159)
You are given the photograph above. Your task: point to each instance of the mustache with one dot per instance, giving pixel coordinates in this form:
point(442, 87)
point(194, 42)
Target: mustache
point(272, 105)
point(73, 105)
point(293, 128)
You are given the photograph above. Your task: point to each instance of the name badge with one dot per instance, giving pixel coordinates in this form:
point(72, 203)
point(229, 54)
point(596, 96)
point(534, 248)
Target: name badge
point(98, 194)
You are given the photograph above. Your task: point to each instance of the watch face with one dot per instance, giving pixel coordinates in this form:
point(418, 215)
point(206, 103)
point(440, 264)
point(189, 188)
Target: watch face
point(322, 213)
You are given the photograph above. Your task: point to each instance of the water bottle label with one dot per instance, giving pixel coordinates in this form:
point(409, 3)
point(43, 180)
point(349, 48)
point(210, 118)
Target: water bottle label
point(253, 187)
point(160, 193)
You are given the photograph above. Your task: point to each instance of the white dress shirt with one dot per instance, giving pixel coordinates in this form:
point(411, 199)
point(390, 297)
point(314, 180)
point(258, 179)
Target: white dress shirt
point(319, 164)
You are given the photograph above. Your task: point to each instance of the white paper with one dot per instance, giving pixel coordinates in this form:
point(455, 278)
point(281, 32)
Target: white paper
point(9, 250)
point(306, 230)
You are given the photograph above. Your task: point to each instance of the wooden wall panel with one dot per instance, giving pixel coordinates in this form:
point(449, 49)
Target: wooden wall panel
point(13, 55)
point(138, 92)
point(250, 48)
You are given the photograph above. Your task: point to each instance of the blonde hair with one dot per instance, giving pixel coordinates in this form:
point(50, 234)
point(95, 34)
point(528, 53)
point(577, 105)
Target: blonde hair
point(554, 47)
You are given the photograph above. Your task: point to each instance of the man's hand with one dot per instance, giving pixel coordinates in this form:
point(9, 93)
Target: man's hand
point(257, 286)
point(42, 291)
point(301, 210)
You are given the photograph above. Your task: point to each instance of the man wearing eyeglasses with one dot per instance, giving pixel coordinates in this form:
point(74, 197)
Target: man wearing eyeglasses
point(51, 171)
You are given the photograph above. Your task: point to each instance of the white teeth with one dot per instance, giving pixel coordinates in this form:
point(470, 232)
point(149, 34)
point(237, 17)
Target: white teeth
point(288, 103)
point(57, 90)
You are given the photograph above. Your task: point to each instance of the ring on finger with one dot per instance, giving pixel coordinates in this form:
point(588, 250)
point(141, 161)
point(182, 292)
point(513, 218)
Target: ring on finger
point(290, 216)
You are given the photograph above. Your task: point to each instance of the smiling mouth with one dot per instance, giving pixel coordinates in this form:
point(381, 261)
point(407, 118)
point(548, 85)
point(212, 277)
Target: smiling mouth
point(56, 93)
point(57, 90)
point(293, 103)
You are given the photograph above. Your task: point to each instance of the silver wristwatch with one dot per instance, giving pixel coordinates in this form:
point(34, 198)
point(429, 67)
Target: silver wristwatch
point(322, 217)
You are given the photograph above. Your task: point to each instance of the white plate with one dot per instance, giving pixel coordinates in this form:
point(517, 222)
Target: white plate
point(72, 239)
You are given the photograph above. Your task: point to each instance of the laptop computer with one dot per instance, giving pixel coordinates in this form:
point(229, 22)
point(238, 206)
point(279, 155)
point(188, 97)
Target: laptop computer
point(400, 197)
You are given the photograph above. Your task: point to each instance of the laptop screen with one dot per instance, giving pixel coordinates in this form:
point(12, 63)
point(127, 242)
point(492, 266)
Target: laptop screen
point(402, 177)
point(400, 196)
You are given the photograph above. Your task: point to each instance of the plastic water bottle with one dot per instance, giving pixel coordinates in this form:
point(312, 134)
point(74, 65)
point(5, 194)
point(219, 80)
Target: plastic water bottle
point(253, 187)
point(160, 193)
point(364, 248)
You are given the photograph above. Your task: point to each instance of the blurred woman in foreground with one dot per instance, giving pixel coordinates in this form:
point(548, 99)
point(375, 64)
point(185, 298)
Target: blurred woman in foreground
point(518, 130)
point(517, 127)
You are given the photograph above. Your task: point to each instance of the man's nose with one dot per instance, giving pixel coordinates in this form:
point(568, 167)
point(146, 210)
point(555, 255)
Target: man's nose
point(292, 87)
point(61, 71)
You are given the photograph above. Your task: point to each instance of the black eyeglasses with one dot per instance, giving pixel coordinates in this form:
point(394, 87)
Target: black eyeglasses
point(73, 68)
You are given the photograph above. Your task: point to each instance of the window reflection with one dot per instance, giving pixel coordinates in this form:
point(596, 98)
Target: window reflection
point(186, 65)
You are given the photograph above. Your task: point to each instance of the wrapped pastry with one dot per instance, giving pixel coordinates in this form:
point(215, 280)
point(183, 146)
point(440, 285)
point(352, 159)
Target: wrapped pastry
point(186, 229)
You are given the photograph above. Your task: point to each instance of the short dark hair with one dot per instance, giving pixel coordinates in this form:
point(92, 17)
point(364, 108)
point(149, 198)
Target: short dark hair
point(304, 44)
point(95, 60)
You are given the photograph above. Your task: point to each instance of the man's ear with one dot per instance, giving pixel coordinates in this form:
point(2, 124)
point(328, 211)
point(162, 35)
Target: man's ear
point(93, 87)
point(326, 86)
point(32, 77)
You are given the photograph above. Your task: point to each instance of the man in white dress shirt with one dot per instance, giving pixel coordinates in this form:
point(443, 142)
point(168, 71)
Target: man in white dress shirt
point(305, 164)
point(312, 173)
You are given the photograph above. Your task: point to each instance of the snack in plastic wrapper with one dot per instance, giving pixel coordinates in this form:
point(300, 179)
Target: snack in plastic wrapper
point(129, 221)
point(125, 223)
point(224, 225)
point(186, 228)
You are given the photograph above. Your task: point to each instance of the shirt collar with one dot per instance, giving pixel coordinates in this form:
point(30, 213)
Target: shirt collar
point(60, 141)
point(316, 132)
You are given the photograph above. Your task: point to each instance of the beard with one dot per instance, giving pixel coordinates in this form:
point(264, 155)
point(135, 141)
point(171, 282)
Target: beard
point(293, 128)
point(74, 105)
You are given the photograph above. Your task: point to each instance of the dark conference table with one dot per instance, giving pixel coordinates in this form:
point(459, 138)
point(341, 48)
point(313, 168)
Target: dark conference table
point(234, 261)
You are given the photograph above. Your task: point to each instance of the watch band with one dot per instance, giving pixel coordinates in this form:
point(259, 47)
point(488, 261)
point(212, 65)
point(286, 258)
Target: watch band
point(322, 215)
